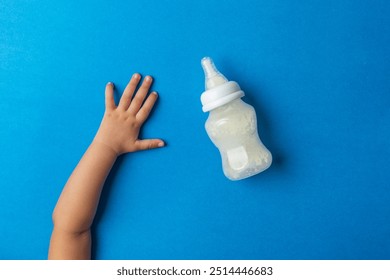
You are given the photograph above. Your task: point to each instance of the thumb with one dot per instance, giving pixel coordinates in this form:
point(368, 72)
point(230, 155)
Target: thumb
point(148, 144)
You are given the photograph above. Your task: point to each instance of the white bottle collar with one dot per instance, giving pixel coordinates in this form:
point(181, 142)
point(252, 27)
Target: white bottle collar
point(220, 95)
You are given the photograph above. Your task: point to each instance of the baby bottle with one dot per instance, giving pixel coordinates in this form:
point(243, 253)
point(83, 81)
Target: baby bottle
point(232, 126)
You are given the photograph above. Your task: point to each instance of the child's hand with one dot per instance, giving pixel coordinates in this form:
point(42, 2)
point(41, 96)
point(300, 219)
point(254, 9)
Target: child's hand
point(121, 124)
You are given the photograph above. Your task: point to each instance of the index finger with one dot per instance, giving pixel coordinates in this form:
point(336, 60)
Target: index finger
point(147, 107)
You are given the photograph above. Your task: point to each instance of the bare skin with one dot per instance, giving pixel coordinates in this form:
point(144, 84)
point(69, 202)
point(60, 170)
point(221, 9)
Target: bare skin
point(118, 134)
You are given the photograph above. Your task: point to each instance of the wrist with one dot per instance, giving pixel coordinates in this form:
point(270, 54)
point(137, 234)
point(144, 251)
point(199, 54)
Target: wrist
point(104, 148)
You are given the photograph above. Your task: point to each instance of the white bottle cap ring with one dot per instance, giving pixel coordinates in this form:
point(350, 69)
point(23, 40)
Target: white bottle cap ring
point(220, 95)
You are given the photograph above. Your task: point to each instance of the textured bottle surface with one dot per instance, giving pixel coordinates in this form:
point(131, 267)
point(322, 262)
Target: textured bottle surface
point(232, 126)
point(233, 129)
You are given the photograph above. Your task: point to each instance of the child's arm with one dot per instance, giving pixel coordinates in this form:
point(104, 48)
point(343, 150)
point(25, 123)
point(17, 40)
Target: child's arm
point(118, 134)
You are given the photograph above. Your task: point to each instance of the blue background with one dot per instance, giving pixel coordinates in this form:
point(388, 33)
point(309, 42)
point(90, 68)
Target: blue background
point(317, 73)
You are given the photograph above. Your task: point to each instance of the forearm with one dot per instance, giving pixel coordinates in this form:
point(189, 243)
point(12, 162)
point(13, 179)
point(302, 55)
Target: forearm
point(76, 207)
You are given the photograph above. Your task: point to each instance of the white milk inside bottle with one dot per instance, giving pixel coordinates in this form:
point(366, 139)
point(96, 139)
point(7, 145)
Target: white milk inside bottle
point(232, 126)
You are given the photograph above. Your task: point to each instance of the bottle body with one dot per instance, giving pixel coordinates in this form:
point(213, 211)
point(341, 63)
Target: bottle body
point(233, 130)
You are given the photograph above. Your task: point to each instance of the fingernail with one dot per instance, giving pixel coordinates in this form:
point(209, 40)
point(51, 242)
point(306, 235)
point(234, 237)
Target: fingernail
point(161, 144)
point(148, 78)
point(110, 84)
point(136, 76)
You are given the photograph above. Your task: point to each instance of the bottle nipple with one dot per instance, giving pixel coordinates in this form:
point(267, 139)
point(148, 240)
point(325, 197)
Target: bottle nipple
point(219, 91)
point(213, 77)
